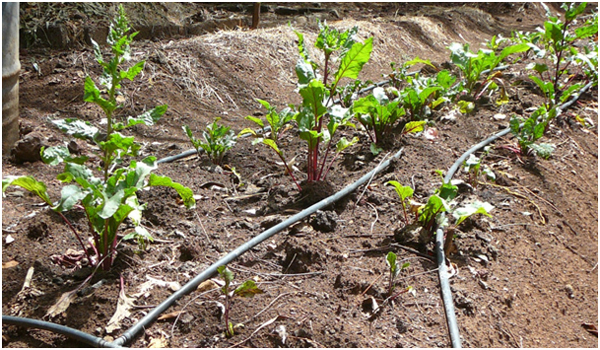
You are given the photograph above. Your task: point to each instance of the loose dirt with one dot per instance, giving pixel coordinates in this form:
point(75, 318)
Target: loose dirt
point(527, 277)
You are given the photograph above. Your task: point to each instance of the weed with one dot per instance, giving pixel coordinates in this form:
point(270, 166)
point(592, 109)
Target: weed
point(473, 167)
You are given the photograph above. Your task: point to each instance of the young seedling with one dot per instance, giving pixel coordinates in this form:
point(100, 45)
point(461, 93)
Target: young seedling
point(278, 123)
point(218, 139)
point(405, 193)
point(472, 166)
point(109, 200)
point(247, 289)
point(531, 130)
point(395, 268)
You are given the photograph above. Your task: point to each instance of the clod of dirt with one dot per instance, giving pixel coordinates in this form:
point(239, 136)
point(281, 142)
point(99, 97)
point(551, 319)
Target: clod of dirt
point(301, 254)
point(325, 221)
point(28, 148)
point(411, 234)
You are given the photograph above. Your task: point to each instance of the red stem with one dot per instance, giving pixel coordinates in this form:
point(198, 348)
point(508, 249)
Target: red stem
point(76, 235)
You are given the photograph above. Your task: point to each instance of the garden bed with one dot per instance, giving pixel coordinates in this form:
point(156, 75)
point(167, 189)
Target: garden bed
point(527, 276)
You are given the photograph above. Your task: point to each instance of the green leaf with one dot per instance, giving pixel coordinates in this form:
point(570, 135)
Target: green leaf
point(538, 67)
point(375, 149)
point(543, 150)
point(132, 72)
point(414, 127)
point(403, 191)
point(574, 12)
point(313, 95)
point(271, 144)
point(343, 144)
point(466, 107)
point(512, 49)
point(391, 260)
point(70, 195)
point(148, 118)
point(226, 274)
point(448, 191)
point(258, 121)
point(354, 60)
point(405, 265)
point(185, 193)
point(247, 131)
point(30, 184)
point(304, 71)
point(92, 94)
point(587, 31)
point(477, 207)
point(553, 32)
point(417, 60)
point(77, 128)
point(247, 289)
point(111, 205)
point(55, 155)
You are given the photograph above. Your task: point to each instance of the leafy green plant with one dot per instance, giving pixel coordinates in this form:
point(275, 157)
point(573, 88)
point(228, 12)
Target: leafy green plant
point(392, 261)
point(278, 123)
point(318, 94)
point(317, 117)
point(377, 113)
point(247, 289)
point(218, 139)
point(477, 68)
point(405, 193)
point(558, 39)
point(418, 94)
point(472, 166)
point(531, 130)
point(110, 200)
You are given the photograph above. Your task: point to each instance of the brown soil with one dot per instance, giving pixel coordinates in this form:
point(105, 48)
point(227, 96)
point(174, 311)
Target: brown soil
point(526, 277)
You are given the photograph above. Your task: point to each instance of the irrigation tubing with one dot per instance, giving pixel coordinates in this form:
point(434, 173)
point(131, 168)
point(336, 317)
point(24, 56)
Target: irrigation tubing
point(190, 286)
point(193, 284)
point(439, 238)
point(60, 329)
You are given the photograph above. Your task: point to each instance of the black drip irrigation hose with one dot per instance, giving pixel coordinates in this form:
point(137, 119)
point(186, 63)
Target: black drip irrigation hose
point(60, 329)
point(439, 238)
point(190, 286)
point(193, 284)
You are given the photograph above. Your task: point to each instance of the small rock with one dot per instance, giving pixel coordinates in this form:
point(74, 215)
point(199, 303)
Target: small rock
point(484, 236)
point(74, 147)
point(28, 148)
point(570, 291)
point(413, 233)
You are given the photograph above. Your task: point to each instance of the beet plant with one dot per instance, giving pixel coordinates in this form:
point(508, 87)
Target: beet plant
point(395, 268)
point(218, 139)
point(247, 289)
point(318, 117)
point(377, 114)
point(478, 68)
point(112, 198)
point(558, 40)
point(528, 131)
